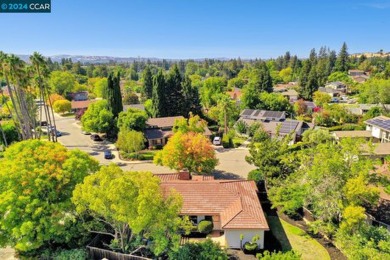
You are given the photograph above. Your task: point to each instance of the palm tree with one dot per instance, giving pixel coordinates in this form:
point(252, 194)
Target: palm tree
point(5, 71)
point(41, 71)
point(20, 80)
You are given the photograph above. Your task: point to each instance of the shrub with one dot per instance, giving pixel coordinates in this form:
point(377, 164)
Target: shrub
point(256, 175)
point(203, 250)
point(253, 128)
point(241, 127)
point(227, 142)
point(74, 254)
point(290, 255)
point(130, 98)
point(260, 135)
point(205, 226)
point(387, 189)
point(250, 246)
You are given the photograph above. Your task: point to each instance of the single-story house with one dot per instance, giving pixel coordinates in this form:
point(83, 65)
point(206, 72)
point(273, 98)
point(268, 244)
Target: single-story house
point(353, 73)
point(158, 130)
point(231, 205)
point(275, 123)
point(291, 95)
point(338, 135)
point(337, 85)
point(80, 105)
point(379, 127)
point(330, 91)
point(360, 79)
point(78, 96)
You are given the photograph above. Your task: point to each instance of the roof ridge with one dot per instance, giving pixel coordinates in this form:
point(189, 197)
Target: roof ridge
point(239, 199)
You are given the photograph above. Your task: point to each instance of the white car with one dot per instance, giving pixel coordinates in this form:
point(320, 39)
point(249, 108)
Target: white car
point(217, 140)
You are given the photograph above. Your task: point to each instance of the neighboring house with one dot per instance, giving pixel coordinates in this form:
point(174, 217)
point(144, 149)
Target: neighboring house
point(330, 91)
point(275, 123)
point(158, 130)
point(361, 109)
point(360, 79)
point(353, 73)
point(337, 85)
point(310, 106)
point(137, 106)
point(291, 95)
point(78, 96)
point(338, 135)
point(379, 128)
point(80, 105)
point(235, 94)
point(232, 206)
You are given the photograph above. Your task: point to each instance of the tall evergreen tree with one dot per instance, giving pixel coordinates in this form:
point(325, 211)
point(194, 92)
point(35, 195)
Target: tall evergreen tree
point(174, 92)
point(191, 98)
point(148, 82)
point(331, 62)
point(159, 102)
point(113, 94)
point(342, 59)
point(264, 79)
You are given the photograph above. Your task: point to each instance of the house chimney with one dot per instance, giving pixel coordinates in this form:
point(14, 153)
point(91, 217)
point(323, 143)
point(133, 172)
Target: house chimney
point(184, 176)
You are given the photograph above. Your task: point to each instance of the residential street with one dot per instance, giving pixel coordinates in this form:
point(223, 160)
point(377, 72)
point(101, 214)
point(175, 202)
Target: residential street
point(232, 162)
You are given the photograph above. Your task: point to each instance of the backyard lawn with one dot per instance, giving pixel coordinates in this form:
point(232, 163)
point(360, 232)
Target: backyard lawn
point(295, 238)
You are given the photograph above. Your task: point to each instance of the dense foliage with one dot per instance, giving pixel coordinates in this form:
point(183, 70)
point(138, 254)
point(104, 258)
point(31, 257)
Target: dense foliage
point(37, 179)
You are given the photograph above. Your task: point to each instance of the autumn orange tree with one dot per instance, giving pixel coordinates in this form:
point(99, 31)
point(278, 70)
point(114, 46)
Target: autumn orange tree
point(192, 151)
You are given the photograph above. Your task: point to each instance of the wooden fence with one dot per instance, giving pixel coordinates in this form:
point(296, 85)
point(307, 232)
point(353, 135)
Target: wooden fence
point(98, 253)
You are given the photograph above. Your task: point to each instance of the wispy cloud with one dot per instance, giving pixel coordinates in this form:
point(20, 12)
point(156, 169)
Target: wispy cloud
point(377, 5)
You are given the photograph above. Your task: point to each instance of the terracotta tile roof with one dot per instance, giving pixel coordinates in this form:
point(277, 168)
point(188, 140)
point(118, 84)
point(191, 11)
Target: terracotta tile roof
point(235, 201)
point(235, 94)
point(81, 104)
point(162, 122)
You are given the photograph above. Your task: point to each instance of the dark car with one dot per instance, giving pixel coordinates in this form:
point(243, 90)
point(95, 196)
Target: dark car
point(96, 138)
point(107, 154)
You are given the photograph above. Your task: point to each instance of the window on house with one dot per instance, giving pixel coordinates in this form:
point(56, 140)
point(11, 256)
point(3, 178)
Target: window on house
point(209, 218)
point(194, 219)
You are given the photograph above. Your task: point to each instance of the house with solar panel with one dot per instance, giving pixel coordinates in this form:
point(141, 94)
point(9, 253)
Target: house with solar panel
point(380, 128)
point(275, 123)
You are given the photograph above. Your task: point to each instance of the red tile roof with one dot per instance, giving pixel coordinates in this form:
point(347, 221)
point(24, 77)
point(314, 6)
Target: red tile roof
point(81, 104)
point(235, 201)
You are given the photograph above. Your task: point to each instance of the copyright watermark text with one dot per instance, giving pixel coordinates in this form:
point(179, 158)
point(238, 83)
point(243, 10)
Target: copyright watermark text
point(25, 6)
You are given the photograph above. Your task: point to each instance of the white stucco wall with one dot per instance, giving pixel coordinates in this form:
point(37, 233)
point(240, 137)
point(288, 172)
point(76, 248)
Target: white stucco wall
point(233, 237)
point(376, 132)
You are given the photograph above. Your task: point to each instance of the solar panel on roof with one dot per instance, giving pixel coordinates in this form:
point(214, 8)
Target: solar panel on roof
point(256, 113)
point(288, 126)
point(247, 112)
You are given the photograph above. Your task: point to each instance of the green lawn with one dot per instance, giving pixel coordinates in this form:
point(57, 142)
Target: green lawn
point(295, 238)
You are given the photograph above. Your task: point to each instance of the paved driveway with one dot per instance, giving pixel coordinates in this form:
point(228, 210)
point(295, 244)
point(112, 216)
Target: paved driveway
point(231, 165)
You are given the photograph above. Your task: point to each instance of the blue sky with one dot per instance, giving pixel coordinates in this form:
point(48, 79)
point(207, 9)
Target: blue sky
point(198, 28)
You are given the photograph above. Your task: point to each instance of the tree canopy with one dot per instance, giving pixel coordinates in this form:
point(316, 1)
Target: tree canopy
point(37, 179)
point(133, 207)
point(192, 151)
point(97, 118)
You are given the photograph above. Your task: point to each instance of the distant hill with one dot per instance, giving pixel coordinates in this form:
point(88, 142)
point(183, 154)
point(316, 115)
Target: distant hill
point(371, 54)
point(104, 59)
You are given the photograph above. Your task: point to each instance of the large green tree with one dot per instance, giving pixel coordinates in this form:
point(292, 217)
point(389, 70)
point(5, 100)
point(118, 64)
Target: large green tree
point(130, 141)
point(191, 98)
point(132, 119)
point(62, 82)
point(37, 179)
point(132, 206)
point(98, 118)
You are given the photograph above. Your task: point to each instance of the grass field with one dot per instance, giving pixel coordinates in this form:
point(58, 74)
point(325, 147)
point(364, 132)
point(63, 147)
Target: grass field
point(295, 238)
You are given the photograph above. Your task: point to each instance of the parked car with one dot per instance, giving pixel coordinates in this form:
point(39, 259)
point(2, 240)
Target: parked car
point(96, 138)
point(217, 140)
point(107, 154)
